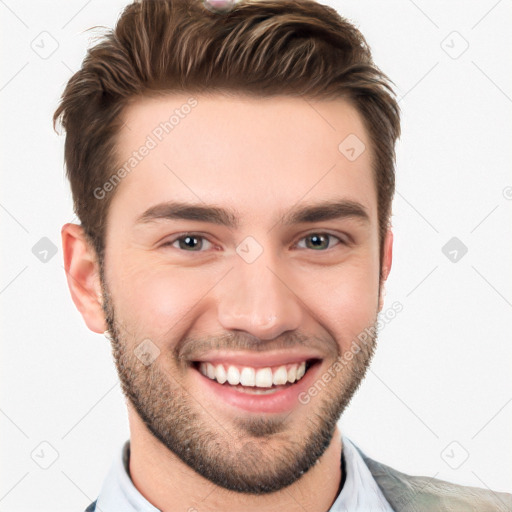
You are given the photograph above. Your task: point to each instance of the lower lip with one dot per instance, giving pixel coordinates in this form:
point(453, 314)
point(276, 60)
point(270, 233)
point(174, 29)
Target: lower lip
point(282, 400)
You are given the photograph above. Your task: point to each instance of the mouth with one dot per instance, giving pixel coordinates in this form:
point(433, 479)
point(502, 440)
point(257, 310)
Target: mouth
point(256, 389)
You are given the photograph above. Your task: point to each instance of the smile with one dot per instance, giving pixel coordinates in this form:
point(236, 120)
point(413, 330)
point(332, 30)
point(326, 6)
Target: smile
point(255, 388)
point(254, 377)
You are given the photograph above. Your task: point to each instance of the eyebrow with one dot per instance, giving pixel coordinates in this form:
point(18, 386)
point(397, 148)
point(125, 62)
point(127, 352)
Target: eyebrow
point(325, 210)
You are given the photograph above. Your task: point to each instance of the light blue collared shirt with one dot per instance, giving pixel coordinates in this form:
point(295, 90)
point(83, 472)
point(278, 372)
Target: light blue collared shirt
point(360, 492)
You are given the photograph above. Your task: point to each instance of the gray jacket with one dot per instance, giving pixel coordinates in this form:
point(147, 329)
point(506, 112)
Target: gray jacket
point(406, 493)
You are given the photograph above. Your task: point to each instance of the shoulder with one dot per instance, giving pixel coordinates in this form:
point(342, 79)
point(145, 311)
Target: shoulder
point(407, 493)
point(91, 507)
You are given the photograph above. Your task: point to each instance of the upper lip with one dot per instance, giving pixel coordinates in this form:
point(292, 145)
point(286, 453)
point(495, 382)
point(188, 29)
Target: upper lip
point(258, 359)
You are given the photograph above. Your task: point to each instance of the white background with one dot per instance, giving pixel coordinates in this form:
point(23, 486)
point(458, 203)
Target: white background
point(439, 388)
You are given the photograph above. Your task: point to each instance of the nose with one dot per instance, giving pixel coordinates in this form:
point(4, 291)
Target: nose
point(260, 299)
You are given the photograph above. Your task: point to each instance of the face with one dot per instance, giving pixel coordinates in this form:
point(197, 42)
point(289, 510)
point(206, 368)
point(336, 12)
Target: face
point(243, 244)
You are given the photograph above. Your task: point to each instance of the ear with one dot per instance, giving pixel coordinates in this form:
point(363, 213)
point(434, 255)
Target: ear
point(387, 259)
point(82, 273)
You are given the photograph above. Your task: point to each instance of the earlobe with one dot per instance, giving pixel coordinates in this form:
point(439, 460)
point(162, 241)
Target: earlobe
point(82, 274)
point(387, 260)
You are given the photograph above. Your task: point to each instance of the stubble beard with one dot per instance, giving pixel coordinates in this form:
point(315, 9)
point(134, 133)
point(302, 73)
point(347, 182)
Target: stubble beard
point(256, 455)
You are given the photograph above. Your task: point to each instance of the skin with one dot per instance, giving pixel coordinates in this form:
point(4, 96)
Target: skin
point(260, 158)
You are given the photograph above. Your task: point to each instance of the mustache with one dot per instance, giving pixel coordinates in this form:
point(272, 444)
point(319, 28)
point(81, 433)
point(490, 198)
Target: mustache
point(192, 348)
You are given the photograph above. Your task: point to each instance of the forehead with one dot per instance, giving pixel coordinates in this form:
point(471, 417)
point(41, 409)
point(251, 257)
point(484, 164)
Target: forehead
point(253, 154)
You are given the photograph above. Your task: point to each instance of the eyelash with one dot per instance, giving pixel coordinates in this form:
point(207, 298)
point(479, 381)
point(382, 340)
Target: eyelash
point(197, 235)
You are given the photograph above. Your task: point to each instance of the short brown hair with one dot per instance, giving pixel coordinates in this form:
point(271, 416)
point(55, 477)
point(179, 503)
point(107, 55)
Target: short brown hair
point(262, 48)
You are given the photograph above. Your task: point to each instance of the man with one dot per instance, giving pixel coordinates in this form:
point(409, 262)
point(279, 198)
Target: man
point(233, 171)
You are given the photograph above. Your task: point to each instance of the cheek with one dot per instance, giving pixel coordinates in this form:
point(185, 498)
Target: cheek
point(157, 301)
point(345, 302)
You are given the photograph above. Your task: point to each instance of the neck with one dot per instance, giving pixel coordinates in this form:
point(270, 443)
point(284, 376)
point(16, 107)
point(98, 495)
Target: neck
point(169, 484)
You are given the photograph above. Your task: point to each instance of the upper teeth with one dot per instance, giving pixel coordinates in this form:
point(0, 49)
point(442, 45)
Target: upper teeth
point(259, 377)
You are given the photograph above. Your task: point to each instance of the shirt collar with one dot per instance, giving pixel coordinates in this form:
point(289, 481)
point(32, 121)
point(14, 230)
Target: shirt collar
point(118, 491)
point(360, 491)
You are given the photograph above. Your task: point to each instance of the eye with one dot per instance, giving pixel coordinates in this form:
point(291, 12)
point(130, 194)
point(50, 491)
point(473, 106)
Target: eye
point(189, 242)
point(320, 241)
point(194, 242)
